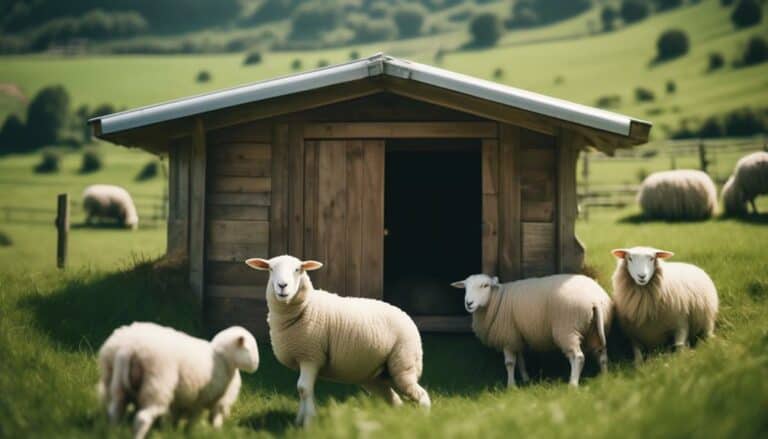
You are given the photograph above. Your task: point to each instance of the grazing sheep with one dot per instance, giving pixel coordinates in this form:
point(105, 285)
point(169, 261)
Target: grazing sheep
point(346, 339)
point(162, 370)
point(678, 195)
point(544, 313)
point(112, 202)
point(656, 300)
point(749, 179)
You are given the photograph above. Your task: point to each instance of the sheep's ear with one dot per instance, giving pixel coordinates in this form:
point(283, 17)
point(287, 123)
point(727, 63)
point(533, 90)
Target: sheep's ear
point(241, 341)
point(258, 263)
point(620, 253)
point(495, 281)
point(311, 265)
point(460, 284)
point(663, 254)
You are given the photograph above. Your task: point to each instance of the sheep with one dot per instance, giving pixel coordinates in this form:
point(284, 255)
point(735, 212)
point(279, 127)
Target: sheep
point(684, 194)
point(559, 311)
point(161, 370)
point(108, 201)
point(655, 299)
point(749, 179)
point(346, 339)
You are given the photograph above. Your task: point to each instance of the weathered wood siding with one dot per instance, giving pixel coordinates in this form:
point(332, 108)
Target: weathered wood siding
point(178, 199)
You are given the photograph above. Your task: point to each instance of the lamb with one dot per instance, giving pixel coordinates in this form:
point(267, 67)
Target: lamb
point(749, 179)
point(684, 194)
point(111, 202)
point(560, 311)
point(346, 339)
point(161, 370)
point(656, 299)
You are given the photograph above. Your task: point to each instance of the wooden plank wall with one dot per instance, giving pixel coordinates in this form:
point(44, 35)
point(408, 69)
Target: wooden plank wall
point(510, 239)
point(239, 198)
point(178, 203)
point(570, 249)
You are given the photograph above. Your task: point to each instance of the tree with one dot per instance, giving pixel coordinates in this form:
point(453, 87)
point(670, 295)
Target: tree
point(608, 17)
point(409, 18)
point(716, 61)
point(47, 115)
point(12, 134)
point(756, 52)
point(310, 20)
point(672, 44)
point(667, 5)
point(633, 11)
point(485, 29)
point(746, 13)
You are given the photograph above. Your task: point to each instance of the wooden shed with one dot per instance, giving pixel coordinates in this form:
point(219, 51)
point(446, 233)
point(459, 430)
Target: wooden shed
point(400, 177)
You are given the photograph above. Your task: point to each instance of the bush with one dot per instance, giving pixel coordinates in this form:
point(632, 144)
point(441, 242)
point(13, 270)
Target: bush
point(641, 174)
point(716, 61)
point(485, 29)
point(633, 11)
point(50, 162)
point(672, 44)
point(92, 161)
point(353, 55)
point(746, 13)
point(13, 133)
point(378, 11)
point(47, 115)
point(149, 171)
point(252, 58)
point(667, 5)
point(369, 31)
point(549, 11)
point(203, 76)
point(745, 122)
point(310, 20)
point(498, 73)
point(756, 52)
point(726, 3)
point(323, 63)
point(671, 87)
point(608, 17)
point(296, 64)
point(270, 10)
point(608, 101)
point(712, 127)
point(103, 109)
point(643, 94)
point(5, 239)
point(409, 19)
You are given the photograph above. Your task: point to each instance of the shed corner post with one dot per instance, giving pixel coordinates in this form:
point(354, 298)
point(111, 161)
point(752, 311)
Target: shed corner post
point(570, 250)
point(197, 185)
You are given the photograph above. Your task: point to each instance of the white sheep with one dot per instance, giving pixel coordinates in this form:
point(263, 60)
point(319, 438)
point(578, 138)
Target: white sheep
point(683, 194)
point(345, 339)
point(161, 370)
point(111, 202)
point(560, 311)
point(657, 300)
point(749, 179)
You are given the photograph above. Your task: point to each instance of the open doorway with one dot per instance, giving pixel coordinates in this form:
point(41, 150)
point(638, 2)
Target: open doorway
point(433, 218)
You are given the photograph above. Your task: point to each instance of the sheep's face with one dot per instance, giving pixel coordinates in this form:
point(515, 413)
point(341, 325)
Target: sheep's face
point(285, 274)
point(477, 290)
point(239, 346)
point(641, 262)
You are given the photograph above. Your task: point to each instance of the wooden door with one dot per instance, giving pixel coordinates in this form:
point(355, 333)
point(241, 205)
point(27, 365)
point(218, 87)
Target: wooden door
point(344, 214)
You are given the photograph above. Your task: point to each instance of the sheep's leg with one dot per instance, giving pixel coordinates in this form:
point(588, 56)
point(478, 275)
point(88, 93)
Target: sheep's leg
point(306, 388)
point(509, 363)
point(681, 337)
point(217, 414)
point(407, 383)
point(116, 395)
point(601, 354)
point(754, 206)
point(576, 358)
point(144, 419)
point(522, 369)
point(383, 389)
point(638, 353)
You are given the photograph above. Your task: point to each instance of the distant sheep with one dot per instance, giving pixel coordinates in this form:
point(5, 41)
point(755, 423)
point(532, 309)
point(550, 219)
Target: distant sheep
point(749, 179)
point(162, 370)
point(657, 300)
point(111, 202)
point(346, 339)
point(545, 313)
point(678, 195)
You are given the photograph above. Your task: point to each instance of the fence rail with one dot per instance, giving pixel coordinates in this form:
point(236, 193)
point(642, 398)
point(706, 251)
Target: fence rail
point(153, 212)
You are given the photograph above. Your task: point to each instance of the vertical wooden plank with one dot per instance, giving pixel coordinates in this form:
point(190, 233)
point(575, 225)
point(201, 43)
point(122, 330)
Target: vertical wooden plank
point(310, 200)
point(372, 281)
point(197, 210)
point(62, 227)
point(331, 225)
point(490, 236)
point(354, 227)
point(510, 242)
point(571, 253)
point(278, 225)
point(295, 180)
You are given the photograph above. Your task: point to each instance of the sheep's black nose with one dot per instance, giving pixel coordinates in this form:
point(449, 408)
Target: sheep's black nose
point(282, 285)
point(469, 303)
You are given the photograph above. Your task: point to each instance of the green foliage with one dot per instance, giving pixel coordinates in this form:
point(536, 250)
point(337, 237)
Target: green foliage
point(296, 64)
point(716, 61)
point(755, 52)
point(372, 30)
point(103, 109)
point(485, 29)
point(498, 73)
point(92, 161)
point(323, 63)
point(747, 13)
point(203, 76)
point(311, 20)
point(633, 11)
point(353, 55)
point(736, 123)
point(671, 87)
point(12, 134)
point(50, 162)
point(270, 10)
point(672, 44)
point(148, 171)
point(409, 19)
point(643, 94)
point(252, 58)
point(47, 115)
point(5, 239)
point(609, 101)
point(667, 5)
point(608, 16)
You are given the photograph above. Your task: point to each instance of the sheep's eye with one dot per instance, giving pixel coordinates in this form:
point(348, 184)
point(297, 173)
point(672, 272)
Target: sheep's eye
point(629, 258)
point(298, 270)
point(484, 285)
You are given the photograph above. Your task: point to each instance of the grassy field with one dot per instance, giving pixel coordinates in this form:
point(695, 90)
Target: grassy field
point(589, 65)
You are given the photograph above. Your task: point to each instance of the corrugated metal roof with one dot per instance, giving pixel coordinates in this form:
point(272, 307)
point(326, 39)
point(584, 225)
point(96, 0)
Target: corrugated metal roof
point(377, 65)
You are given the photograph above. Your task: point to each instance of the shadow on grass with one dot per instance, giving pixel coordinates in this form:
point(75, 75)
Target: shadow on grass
point(110, 225)
point(639, 218)
point(276, 421)
point(750, 218)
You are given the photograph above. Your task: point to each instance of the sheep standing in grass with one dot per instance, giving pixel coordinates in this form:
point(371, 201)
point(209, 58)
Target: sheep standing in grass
point(346, 339)
point(161, 370)
point(545, 313)
point(749, 179)
point(111, 202)
point(678, 195)
point(656, 300)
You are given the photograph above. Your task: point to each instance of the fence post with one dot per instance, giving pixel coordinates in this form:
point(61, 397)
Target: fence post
point(703, 162)
point(62, 226)
point(672, 160)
